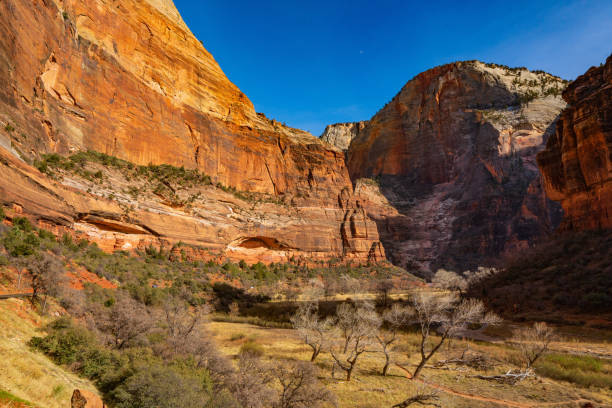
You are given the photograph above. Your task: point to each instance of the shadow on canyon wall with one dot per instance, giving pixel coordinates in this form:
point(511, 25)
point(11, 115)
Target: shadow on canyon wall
point(490, 207)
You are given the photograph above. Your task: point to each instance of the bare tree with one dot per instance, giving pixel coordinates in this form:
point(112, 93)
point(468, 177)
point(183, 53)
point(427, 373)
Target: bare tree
point(299, 387)
point(234, 309)
point(313, 330)
point(421, 397)
point(449, 280)
point(291, 293)
point(20, 272)
point(47, 273)
point(186, 334)
point(331, 287)
point(182, 325)
point(451, 315)
point(395, 318)
point(357, 327)
point(479, 275)
point(250, 385)
point(125, 322)
point(384, 288)
point(533, 342)
point(349, 285)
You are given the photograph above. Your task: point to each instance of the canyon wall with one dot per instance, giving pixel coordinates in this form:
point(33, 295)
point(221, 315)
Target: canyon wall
point(447, 168)
point(445, 175)
point(577, 163)
point(130, 80)
point(340, 135)
point(125, 79)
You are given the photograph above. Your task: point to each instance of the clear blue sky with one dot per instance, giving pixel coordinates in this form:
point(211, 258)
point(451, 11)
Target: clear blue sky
point(311, 62)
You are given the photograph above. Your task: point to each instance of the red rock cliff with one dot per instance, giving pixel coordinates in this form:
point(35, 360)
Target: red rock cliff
point(577, 163)
point(453, 155)
point(129, 79)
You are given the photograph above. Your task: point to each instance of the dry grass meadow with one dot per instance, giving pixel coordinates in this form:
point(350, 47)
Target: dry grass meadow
point(27, 374)
point(31, 376)
point(368, 389)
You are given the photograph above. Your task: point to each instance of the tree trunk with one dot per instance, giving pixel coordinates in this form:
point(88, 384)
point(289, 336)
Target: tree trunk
point(315, 354)
point(425, 358)
point(44, 305)
point(420, 367)
point(386, 367)
point(348, 373)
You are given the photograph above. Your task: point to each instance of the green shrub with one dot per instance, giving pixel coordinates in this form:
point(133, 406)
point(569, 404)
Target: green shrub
point(42, 166)
point(528, 96)
point(98, 363)
point(66, 342)
point(585, 371)
point(2, 214)
point(23, 224)
point(159, 386)
point(57, 390)
point(4, 395)
point(19, 243)
point(46, 235)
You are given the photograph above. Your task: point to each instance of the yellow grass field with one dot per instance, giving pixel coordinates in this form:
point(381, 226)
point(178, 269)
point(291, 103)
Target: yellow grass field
point(368, 389)
point(32, 376)
point(28, 374)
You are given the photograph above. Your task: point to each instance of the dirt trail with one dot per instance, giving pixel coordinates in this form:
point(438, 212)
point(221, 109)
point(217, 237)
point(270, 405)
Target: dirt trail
point(513, 404)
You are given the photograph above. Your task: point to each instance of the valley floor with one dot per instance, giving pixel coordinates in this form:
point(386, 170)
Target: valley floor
point(29, 375)
point(369, 389)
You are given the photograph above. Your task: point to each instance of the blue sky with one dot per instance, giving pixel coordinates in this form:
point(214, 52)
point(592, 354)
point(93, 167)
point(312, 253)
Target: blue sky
point(310, 63)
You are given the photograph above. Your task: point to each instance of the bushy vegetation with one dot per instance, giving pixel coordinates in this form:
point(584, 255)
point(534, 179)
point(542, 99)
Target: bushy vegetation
point(528, 96)
point(155, 273)
point(22, 240)
point(586, 371)
point(164, 180)
point(568, 274)
point(145, 343)
point(142, 344)
point(154, 174)
point(134, 377)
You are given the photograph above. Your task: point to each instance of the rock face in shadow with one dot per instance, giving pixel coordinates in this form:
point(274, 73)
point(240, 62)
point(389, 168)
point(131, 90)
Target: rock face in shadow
point(453, 180)
point(577, 163)
point(130, 80)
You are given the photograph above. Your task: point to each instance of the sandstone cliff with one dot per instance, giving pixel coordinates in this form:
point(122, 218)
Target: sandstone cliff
point(341, 134)
point(130, 80)
point(451, 162)
point(127, 80)
point(577, 163)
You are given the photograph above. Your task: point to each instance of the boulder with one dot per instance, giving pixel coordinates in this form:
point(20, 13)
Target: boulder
point(85, 399)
